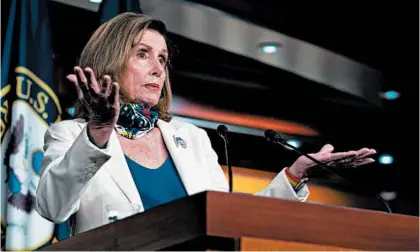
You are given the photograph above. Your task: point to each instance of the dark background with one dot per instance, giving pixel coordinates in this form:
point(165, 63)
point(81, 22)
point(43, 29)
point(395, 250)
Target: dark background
point(382, 35)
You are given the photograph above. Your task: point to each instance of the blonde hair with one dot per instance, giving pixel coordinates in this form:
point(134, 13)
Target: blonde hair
point(108, 48)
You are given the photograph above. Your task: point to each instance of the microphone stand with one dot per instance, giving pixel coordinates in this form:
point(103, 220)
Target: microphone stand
point(222, 132)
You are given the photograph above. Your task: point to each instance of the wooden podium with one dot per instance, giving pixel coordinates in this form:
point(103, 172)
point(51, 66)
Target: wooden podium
point(223, 221)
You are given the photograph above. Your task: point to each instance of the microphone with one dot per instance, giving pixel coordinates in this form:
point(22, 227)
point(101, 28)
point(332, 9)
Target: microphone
point(222, 131)
point(274, 137)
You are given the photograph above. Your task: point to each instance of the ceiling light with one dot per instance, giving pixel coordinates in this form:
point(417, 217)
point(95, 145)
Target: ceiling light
point(386, 159)
point(95, 1)
point(269, 47)
point(71, 111)
point(390, 95)
point(293, 142)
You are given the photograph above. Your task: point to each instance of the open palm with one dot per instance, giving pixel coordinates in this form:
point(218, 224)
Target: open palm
point(328, 157)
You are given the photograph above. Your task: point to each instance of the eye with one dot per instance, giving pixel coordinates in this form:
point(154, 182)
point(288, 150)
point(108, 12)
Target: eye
point(142, 54)
point(162, 60)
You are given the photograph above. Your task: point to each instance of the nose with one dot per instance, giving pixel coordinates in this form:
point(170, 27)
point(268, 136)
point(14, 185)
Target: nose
point(156, 68)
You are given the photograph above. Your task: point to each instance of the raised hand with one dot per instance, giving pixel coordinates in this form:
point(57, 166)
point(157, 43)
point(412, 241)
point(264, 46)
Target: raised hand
point(330, 158)
point(101, 99)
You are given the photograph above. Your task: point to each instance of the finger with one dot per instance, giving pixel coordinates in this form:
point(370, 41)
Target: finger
point(370, 152)
point(107, 85)
point(81, 79)
point(93, 82)
point(337, 156)
point(362, 152)
point(73, 79)
point(364, 162)
point(326, 148)
point(347, 158)
point(115, 94)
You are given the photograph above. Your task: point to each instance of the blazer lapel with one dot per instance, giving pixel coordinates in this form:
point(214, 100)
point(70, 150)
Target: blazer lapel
point(188, 171)
point(118, 169)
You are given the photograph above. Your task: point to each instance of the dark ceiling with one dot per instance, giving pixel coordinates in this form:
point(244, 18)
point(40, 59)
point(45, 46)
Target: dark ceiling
point(381, 35)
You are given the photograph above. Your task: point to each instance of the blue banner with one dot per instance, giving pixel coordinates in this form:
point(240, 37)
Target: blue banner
point(29, 105)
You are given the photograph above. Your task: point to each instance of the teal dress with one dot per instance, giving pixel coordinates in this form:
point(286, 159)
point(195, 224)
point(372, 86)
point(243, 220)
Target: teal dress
point(157, 186)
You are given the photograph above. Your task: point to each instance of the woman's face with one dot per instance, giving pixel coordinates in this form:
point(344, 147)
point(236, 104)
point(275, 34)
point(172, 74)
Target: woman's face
point(144, 73)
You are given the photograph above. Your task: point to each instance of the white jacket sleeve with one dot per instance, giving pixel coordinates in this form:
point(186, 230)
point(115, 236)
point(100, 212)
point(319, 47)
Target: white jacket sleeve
point(279, 187)
point(70, 161)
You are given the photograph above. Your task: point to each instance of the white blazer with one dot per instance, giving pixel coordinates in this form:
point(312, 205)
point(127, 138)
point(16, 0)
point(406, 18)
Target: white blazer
point(79, 178)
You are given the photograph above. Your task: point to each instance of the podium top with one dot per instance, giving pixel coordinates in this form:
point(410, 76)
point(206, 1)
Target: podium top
point(232, 216)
